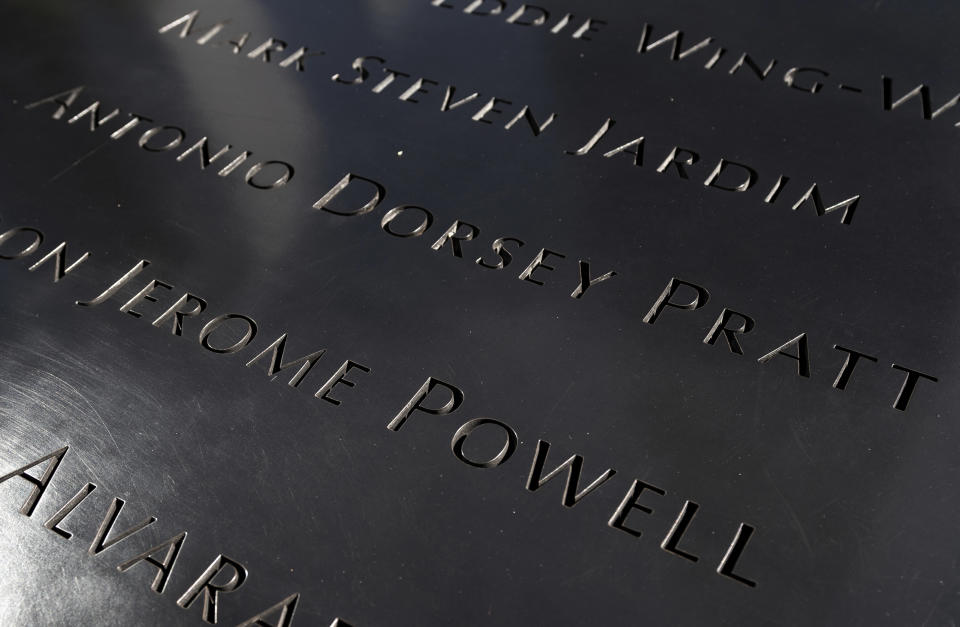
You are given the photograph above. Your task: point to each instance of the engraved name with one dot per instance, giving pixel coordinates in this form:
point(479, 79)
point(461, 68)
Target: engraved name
point(711, 53)
point(715, 173)
point(229, 333)
point(265, 175)
point(729, 325)
point(411, 221)
point(403, 221)
point(223, 576)
point(233, 332)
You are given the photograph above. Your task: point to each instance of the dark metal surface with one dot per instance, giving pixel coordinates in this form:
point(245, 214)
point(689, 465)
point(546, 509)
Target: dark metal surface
point(768, 497)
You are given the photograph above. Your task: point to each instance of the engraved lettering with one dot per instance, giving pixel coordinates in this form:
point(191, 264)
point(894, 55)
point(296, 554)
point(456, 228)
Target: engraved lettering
point(54, 521)
point(379, 193)
point(298, 57)
point(100, 542)
point(416, 88)
point(211, 32)
point(790, 78)
point(677, 161)
point(629, 502)
point(588, 146)
point(539, 20)
point(129, 126)
point(238, 44)
point(588, 26)
point(448, 102)
point(153, 132)
point(848, 205)
point(853, 358)
point(94, 112)
point(802, 357)
point(454, 236)
point(574, 465)
point(561, 24)
point(59, 256)
point(456, 444)
point(729, 561)
point(39, 485)
point(535, 127)
point(665, 301)
point(391, 75)
point(750, 63)
point(164, 566)
point(750, 173)
point(416, 402)
point(362, 72)
point(339, 377)
point(771, 197)
point(236, 163)
point(713, 60)
point(282, 179)
point(186, 25)
point(396, 212)
point(144, 295)
point(626, 148)
point(201, 148)
point(178, 312)
point(25, 251)
point(275, 351)
point(909, 385)
point(586, 282)
point(63, 100)
point(490, 107)
point(676, 37)
point(115, 287)
point(285, 608)
point(503, 255)
point(676, 532)
point(263, 50)
point(497, 7)
point(211, 591)
point(249, 333)
point(923, 91)
point(730, 334)
point(538, 262)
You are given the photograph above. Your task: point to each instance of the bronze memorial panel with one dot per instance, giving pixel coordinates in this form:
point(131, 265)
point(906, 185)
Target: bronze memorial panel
point(477, 312)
